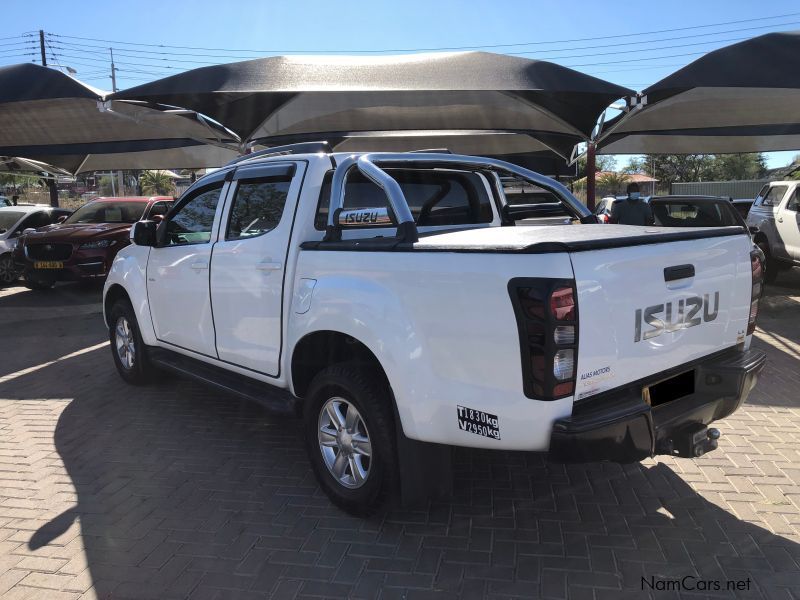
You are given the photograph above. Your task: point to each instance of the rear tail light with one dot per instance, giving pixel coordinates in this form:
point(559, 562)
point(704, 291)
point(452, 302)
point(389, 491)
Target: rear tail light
point(547, 322)
point(757, 271)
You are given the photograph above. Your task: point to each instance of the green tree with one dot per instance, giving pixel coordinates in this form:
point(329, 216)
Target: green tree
point(669, 168)
point(602, 162)
point(156, 183)
point(735, 167)
point(635, 165)
point(612, 183)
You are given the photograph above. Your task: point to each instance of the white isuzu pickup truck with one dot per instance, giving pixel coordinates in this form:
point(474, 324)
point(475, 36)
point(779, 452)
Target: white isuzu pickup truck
point(403, 306)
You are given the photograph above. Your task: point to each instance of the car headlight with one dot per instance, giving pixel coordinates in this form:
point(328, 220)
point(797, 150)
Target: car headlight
point(97, 244)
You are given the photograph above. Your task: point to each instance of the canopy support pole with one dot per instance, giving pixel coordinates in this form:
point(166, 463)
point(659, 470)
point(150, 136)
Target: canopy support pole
point(590, 176)
point(53, 187)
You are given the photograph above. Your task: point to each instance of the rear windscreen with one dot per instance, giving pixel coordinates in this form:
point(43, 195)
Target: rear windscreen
point(435, 197)
point(688, 214)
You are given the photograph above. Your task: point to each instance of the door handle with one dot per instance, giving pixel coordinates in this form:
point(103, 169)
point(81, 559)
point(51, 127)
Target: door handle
point(199, 265)
point(266, 265)
point(780, 219)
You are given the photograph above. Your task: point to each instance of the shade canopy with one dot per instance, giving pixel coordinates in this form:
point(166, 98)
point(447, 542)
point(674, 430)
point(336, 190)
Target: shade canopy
point(77, 160)
point(272, 99)
point(741, 98)
point(24, 166)
point(44, 111)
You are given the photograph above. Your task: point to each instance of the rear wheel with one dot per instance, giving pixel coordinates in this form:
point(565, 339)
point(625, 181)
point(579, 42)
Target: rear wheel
point(127, 347)
point(8, 270)
point(349, 434)
point(770, 267)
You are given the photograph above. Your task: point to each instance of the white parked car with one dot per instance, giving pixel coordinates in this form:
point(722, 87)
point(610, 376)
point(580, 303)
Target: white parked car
point(393, 302)
point(774, 220)
point(13, 221)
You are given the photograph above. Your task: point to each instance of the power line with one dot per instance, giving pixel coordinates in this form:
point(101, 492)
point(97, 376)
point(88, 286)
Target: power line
point(74, 46)
point(441, 48)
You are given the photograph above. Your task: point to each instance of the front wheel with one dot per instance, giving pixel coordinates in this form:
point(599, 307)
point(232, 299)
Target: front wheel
point(349, 434)
point(8, 270)
point(127, 347)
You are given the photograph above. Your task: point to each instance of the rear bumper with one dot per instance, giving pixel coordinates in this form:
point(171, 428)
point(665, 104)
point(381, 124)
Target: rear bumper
point(620, 426)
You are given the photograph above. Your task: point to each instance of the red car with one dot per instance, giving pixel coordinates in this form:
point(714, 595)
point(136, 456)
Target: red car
point(83, 246)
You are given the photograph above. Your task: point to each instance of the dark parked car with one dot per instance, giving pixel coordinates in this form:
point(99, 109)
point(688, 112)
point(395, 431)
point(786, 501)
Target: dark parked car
point(84, 246)
point(694, 211)
point(13, 221)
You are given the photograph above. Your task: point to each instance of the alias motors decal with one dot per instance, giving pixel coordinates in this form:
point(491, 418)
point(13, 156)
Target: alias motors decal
point(673, 316)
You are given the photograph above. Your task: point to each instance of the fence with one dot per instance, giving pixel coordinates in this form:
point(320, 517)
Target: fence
point(734, 189)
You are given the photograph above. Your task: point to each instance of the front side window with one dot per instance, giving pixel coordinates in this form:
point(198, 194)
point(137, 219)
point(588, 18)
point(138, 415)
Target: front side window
point(194, 220)
point(257, 207)
point(114, 211)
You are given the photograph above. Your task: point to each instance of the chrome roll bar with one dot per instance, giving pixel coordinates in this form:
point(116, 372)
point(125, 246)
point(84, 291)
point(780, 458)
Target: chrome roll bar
point(406, 228)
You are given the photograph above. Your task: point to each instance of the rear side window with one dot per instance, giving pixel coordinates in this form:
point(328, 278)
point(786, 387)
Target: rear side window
point(794, 201)
point(257, 207)
point(435, 197)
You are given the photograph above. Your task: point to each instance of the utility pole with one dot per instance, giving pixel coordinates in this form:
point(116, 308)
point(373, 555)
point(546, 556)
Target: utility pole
point(113, 72)
point(41, 47)
point(118, 174)
point(591, 170)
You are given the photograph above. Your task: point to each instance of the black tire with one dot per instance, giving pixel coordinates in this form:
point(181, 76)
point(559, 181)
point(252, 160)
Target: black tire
point(8, 270)
point(370, 395)
point(771, 269)
point(138, 370)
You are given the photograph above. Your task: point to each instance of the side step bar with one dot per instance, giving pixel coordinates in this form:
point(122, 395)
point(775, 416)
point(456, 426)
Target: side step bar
point(276, 400)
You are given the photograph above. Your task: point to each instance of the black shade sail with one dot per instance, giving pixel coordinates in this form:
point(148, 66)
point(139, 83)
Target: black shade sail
point(25, 166)
point(184, 154)
point(44, 111)
point(270, 100)
point(741, 98)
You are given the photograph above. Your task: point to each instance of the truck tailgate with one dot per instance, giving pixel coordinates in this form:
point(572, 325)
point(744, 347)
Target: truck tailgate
point(642, 312)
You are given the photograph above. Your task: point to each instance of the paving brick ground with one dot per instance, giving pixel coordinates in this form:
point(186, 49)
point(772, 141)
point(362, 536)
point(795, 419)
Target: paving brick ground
point(172, 491)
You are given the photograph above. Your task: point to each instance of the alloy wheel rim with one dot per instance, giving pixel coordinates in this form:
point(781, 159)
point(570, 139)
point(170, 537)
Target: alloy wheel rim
point(7, 271)
point(344, 442)
point(125, 343)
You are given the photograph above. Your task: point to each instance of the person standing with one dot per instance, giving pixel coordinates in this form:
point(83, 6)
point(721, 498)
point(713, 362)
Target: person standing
point(633, 210)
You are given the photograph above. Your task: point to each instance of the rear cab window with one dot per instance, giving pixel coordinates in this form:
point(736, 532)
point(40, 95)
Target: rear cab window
point(694, 214)
point(436, 197)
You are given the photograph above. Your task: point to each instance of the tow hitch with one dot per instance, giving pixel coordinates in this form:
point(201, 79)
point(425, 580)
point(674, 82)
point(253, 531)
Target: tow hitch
point(692, 442)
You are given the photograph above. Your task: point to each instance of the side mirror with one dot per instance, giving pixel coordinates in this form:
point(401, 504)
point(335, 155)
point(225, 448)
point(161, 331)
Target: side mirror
point(28, 230)
point(143, 233)
point(61, 219)
point(753, 230)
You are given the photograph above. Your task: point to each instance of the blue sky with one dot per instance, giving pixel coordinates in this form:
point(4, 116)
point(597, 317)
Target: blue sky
point(616, 44)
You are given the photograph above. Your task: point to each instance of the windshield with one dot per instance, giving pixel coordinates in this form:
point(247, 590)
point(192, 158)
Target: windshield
point(8, 219)
point(108, 212)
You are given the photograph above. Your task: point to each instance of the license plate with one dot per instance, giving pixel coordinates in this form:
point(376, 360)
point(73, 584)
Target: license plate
point(48, 264)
